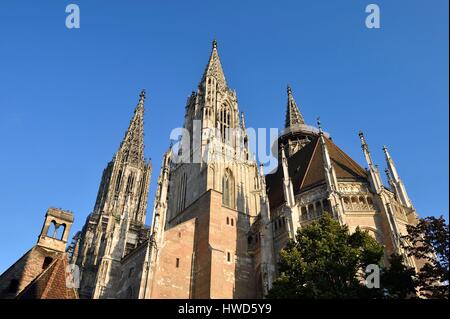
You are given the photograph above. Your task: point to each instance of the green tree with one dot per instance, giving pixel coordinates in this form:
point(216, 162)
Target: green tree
point(398, 281)
point(326, 261)
point(428, 242)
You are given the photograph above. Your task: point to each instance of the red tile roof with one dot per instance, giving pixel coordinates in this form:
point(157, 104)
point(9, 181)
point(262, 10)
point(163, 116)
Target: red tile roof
point(51, 283)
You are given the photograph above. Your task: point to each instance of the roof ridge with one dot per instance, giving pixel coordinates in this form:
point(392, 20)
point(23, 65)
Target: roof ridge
point(17, 261)
point(52, 278)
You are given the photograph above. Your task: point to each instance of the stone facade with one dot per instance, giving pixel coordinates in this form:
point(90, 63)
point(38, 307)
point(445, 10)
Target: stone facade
point(219, 223)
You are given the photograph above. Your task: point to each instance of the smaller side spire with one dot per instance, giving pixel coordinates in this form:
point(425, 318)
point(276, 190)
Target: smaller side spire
point(142, 98)
point(396, 182)
point(389, 178)
point(390, 164)
point(293, 115)
point(330, 174)
point(373, 170)
point(287, 182)
point(242, 121)
point(330, 178)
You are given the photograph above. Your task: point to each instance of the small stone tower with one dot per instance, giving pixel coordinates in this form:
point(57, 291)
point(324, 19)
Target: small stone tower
point(56, 229)
point(41, 272)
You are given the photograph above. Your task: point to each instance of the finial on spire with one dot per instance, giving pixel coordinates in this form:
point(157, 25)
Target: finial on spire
point(319, 125)
point(293, 115)
point(363, 140)
point(242, 120)
point(214, 44)
point(142, 96)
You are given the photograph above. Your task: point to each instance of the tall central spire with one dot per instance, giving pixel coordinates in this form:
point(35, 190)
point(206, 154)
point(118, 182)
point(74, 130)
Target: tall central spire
point(214, 68)
point(132, 146)
point(293, 115)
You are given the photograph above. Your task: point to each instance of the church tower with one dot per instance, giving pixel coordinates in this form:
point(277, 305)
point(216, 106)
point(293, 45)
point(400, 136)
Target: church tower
point(214, 195)
point(116, 226)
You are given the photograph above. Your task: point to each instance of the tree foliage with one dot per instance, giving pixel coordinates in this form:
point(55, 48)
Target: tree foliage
point(326, 261)
point(398, 281)
point(428, 242)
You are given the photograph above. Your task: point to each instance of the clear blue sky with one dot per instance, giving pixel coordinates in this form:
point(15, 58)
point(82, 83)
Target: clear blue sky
point(66, 96)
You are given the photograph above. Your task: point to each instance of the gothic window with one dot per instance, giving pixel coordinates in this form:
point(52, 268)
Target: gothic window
point(355, 203)
point(232, 222)
point(318, 207)
point(326, 206)
point(347, 203)
point(228, 220)
point(177, 263)
point(228, 189)
point(130, 182)
point(304, 212)
point(228, 257)
point(311, 209)
point(182, 192)
point(224, 122)
point(118, 181)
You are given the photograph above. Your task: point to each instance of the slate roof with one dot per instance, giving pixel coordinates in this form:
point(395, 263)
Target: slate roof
point(306, 170)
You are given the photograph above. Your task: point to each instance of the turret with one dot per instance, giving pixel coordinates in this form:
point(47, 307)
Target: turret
point(395, 180)
point(373, 170)
point(56, 229)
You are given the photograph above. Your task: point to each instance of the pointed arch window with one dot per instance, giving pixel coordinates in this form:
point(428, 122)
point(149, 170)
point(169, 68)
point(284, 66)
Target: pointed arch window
point(225, 122)
point(118, 181)
point(182, 192)
point(228, 189)
point(130, 182)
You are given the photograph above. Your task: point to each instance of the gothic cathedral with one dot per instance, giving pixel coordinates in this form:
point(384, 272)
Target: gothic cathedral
point(218, 221)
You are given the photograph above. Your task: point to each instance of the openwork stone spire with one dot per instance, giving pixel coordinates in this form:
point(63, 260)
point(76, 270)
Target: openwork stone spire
point(132, 146)
point(214, 68)
point(293, 115)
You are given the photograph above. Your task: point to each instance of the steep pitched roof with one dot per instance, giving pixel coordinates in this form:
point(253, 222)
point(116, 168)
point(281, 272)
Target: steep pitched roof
point(214, 68)
point(50, 284)
point(307, 171)
point(132, 146)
